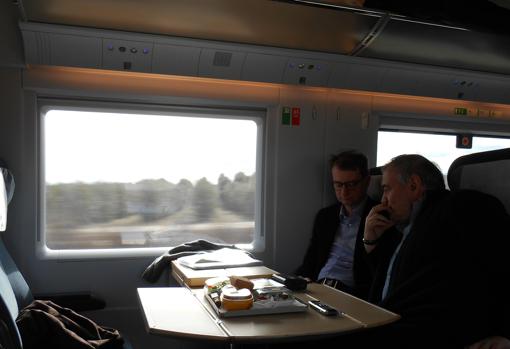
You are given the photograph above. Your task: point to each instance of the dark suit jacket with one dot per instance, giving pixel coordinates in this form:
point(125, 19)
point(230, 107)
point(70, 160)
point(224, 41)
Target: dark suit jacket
point(324, 230)
point(448, 279)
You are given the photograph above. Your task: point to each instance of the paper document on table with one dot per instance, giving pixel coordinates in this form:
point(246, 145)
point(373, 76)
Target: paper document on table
point(223, 258)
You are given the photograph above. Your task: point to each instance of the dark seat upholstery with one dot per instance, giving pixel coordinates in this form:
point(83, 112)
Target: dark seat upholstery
point(374, 189)
point(486, 171)
point(14, 291)
point(489, 172)
point(10, 278)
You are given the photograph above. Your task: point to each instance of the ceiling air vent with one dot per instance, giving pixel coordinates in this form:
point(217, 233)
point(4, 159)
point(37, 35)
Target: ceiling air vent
point(222, 59)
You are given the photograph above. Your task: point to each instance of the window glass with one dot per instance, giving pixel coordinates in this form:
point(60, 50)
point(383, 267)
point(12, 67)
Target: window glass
point(115, 180)
point(439, 148)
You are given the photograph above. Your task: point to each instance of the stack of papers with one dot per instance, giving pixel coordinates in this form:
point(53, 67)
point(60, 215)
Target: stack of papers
point(223, 258)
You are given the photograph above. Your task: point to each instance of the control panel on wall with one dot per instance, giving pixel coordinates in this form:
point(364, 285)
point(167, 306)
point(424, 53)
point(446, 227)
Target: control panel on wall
point(127, 55)
point(307, 72)
point(465, 88)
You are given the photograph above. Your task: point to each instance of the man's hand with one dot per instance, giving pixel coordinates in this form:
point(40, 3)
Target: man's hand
point(376, 224)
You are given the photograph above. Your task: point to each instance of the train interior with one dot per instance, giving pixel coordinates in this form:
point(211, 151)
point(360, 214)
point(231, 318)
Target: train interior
point(106, 104)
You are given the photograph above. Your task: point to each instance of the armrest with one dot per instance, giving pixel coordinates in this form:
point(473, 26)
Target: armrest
point(74, 301)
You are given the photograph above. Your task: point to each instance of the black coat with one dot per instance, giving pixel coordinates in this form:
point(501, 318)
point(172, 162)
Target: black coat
point(324, 229)
point(448, 279)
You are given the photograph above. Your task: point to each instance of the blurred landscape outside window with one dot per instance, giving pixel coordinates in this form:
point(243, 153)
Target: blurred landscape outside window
point(117, 180)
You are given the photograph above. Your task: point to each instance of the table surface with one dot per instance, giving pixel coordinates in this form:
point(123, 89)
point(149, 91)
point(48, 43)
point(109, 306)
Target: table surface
point(184, 312)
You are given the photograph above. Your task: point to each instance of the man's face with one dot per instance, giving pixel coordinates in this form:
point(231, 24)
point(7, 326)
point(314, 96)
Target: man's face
point(398, 196)
point(350, 186)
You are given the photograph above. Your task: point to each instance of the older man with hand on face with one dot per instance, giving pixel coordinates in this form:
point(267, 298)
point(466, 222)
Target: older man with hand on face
point(438, 261)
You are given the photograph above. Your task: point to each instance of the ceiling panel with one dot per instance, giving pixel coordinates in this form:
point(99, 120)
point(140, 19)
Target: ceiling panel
point(407, 41)
point(294, 24)
point(259, 22)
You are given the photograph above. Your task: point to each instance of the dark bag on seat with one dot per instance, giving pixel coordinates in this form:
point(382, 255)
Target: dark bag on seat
point(44, 324)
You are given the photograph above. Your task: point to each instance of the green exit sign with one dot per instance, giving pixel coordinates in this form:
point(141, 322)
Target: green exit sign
point(286, 116)
point(461, 111)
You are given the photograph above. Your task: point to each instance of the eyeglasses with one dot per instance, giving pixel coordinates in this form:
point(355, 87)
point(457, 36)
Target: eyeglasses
point(347, 185)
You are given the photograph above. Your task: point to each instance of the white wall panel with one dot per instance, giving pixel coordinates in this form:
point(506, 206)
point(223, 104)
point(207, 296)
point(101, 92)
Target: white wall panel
point(75, 51)
point(357, 76)
point(263, 68)
point(350, 125)
point(495, 91)
point(300, 166)
point(175, 60)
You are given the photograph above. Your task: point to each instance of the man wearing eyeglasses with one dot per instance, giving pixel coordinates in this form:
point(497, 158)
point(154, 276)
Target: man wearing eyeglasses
point(335, 253)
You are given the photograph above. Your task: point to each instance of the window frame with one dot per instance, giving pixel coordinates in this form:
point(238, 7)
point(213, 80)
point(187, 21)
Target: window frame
point(441, 133)
point(258, 115)
point(441, 125)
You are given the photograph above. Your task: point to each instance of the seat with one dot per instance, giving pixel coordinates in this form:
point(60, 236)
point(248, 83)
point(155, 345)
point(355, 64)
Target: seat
point(15, 293)
point(486, 171)
point(374, 189)
point(9, 309)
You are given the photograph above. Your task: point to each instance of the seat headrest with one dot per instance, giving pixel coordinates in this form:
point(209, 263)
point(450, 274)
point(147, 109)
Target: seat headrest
point(9, 183)
point(6, 193)
point(374, 189)
point(486, 171)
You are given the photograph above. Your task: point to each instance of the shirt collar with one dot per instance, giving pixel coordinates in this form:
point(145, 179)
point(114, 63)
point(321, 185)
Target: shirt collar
point(357, 210)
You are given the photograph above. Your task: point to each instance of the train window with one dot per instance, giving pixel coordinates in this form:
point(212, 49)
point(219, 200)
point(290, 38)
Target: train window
point(115, 179)
point(439, 148)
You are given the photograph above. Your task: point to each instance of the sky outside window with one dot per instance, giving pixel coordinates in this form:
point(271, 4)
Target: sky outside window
point(439, 148)
point(113, 147)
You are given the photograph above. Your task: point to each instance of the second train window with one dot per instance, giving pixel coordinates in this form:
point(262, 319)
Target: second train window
point(438, 148)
